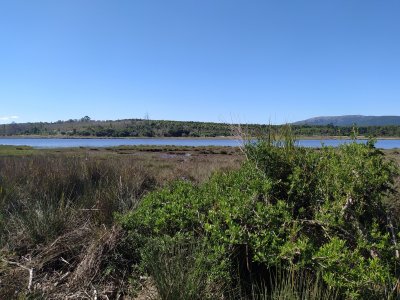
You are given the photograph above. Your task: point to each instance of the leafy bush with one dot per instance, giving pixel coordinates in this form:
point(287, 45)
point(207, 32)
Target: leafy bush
point(318, 210)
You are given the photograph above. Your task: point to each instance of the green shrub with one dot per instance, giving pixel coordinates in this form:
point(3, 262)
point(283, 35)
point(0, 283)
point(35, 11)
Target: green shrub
point(318, 210)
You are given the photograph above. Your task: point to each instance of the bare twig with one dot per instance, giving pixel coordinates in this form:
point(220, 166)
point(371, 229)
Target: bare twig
point(30, 270)
point(394, 240)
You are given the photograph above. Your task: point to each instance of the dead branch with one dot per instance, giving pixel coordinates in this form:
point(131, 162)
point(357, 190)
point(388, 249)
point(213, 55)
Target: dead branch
point(394, 240)
point(30, 270)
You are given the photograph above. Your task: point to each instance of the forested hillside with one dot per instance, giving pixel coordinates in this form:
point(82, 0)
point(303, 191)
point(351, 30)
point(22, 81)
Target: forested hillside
point(349, 120)
point(85, 127)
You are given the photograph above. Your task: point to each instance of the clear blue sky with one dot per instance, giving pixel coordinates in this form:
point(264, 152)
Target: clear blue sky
point(209, 60)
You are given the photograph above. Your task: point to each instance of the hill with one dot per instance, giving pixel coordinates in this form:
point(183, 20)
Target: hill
point(86, 127)
point(350, 120)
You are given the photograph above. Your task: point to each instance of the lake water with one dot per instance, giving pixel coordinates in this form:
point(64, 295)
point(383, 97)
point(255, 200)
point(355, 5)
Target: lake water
point(68, 143)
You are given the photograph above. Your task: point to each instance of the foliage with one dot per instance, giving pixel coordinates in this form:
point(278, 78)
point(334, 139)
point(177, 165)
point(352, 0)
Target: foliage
point(318, 210)
point(163, 128)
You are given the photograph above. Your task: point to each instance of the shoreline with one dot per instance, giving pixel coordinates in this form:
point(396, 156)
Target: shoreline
point(119, 138)
point(186, 138)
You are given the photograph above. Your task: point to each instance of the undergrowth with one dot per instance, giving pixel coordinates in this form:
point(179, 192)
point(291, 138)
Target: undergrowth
point(305, 211)
point(58, 236)
point(290, 223)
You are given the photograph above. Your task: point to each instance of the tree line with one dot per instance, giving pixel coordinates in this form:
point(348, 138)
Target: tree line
point(86, 127)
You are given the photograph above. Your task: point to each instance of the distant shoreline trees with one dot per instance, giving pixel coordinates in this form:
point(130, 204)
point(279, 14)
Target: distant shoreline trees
point(86, 127)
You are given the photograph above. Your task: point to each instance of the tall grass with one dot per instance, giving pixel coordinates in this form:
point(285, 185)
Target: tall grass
point(178, 269)
point(43, 197)
point(291, 284)
point(57, 216)
point(56, 212)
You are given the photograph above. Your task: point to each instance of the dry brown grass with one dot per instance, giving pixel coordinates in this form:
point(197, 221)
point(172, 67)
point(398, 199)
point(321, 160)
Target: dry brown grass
point(57, 207)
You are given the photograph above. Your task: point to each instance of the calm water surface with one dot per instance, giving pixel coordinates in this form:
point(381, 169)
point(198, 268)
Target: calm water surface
point(68, 143)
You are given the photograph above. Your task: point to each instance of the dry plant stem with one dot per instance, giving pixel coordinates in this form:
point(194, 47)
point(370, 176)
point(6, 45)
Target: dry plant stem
point(393, 236)
point(238, 131)
point(30, 270)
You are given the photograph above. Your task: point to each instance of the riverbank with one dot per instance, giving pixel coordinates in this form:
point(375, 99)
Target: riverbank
point(312, 137)
point(176, 142)
point(110, 137)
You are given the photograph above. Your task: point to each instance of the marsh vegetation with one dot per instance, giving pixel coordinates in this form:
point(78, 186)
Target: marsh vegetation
point(57, 213)
point(272, 221)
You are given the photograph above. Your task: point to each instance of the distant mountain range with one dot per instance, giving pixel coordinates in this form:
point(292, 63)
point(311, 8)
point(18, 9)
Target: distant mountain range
point(350, 120)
